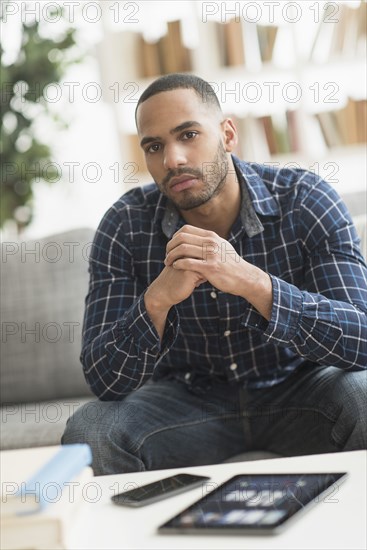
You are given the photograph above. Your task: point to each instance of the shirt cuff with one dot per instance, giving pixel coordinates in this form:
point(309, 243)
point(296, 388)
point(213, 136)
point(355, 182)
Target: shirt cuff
point(137, 325)
point(286, 313)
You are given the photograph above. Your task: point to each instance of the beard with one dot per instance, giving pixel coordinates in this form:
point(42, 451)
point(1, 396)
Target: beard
point(213, 176)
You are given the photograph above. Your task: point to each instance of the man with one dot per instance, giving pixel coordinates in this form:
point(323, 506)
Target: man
point(227, 303)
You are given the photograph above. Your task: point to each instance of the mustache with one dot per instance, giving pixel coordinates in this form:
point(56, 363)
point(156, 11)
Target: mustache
point(179, 172)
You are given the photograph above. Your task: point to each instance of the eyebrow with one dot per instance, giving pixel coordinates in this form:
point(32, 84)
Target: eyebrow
point(179, 128)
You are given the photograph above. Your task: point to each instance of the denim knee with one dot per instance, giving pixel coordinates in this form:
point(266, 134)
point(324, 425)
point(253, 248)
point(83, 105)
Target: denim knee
point(105, 428)
point(351, 428)
point(96, 420)
point(78, 425)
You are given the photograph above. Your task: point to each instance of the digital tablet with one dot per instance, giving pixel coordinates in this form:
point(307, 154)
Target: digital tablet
point(255, 504)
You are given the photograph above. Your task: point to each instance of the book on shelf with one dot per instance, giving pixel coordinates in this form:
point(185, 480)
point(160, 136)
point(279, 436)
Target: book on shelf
point(175, 56)
point(362, 29)
point(361, 113)
point(267, 123)
point(41, 513)
point(149, 58)
point(251, 139)
point(329, 129)
point(281, 132)
point(264, 136)
point(340, 32)
point(166, 55)
point(346, 120)
point(231, 44)
point(293, 127)
point(346, 126)
point(238, 43)
point(266, 37)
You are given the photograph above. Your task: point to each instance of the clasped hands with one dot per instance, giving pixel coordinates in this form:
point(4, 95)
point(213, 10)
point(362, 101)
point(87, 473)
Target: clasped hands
point(205, 253)
point(196, 255)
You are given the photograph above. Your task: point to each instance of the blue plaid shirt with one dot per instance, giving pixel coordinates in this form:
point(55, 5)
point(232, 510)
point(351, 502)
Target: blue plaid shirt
point(292, 225)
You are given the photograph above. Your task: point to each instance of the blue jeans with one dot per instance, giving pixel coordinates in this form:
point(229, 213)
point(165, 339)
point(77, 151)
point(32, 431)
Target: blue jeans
point(169, 424)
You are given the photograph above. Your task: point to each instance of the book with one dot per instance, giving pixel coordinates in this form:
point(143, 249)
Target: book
point(267, 123)
point(340, 33)
point(50, 528)
point(362, 29)
point(345, 126)
point(252, 144)
point(322, 44)
point(266, 37)
point(174, 56)
point(45, 484)
point(42, 512)
point(293, 131)
point(149, 58)
point(329, 129)
point(232, 39)
point(339, 38)
point(347, 122)
point(361, 114)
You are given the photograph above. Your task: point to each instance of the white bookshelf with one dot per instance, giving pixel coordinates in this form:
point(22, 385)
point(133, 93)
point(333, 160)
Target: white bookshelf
point(319, 80)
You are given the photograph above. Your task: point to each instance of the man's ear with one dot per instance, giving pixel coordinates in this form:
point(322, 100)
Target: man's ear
point(230, 135)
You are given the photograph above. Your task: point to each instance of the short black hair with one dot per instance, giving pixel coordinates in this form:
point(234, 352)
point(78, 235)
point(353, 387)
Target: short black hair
point(173, 81)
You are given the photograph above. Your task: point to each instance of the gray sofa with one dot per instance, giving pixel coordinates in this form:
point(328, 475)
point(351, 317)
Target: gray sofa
point(43, 286)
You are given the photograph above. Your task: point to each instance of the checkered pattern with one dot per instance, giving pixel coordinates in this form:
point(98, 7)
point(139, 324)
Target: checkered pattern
point(292, 225)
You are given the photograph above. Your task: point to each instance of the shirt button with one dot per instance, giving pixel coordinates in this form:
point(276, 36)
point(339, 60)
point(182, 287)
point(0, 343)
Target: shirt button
point(213, 294)
point(233, 366)
point(188, 376)
point(226, 333)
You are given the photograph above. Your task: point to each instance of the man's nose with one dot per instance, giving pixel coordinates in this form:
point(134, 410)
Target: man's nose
point(174, 156)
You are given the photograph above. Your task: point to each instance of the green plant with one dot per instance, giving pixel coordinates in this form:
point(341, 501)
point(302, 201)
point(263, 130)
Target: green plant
point(25, 158)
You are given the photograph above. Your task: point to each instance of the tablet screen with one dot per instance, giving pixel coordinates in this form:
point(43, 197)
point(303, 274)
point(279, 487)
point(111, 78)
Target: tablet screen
point(258, 504)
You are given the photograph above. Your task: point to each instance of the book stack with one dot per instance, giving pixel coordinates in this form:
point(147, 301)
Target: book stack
point(341, 32)
point(345, 126)
point(266, 37)
point(280, 131)
point(234, 42)
point(39, 513)
point(231, 43)
point(167, 55)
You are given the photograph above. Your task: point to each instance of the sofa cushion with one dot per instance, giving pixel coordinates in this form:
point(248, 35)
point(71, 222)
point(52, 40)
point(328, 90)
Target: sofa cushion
point(36, 424)
point(43, 286)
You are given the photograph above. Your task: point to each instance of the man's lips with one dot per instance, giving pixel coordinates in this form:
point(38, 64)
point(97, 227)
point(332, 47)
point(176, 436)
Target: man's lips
point(182, 182)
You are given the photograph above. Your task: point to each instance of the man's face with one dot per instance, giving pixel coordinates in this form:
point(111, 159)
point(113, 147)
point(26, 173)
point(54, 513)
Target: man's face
point(184, 145)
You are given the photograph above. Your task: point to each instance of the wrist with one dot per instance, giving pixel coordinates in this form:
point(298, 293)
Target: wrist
point(154, 303)
point(256, 287)
point(157, 312)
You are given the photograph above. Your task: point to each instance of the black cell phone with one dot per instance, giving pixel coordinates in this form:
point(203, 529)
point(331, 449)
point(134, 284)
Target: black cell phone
point(260, 504)
point(158, 490)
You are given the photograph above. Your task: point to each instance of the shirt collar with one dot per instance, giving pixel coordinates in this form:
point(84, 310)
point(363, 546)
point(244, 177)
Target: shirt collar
point(256, 198)
point(262, 200)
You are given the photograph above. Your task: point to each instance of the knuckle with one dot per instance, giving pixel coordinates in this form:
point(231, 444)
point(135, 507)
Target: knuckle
point(180, 238)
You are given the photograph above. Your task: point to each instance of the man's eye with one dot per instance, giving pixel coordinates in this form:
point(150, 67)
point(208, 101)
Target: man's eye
point(189, 135)
point(153, 148)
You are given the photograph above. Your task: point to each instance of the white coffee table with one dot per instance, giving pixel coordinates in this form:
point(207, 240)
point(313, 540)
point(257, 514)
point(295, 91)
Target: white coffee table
point(339, 525)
